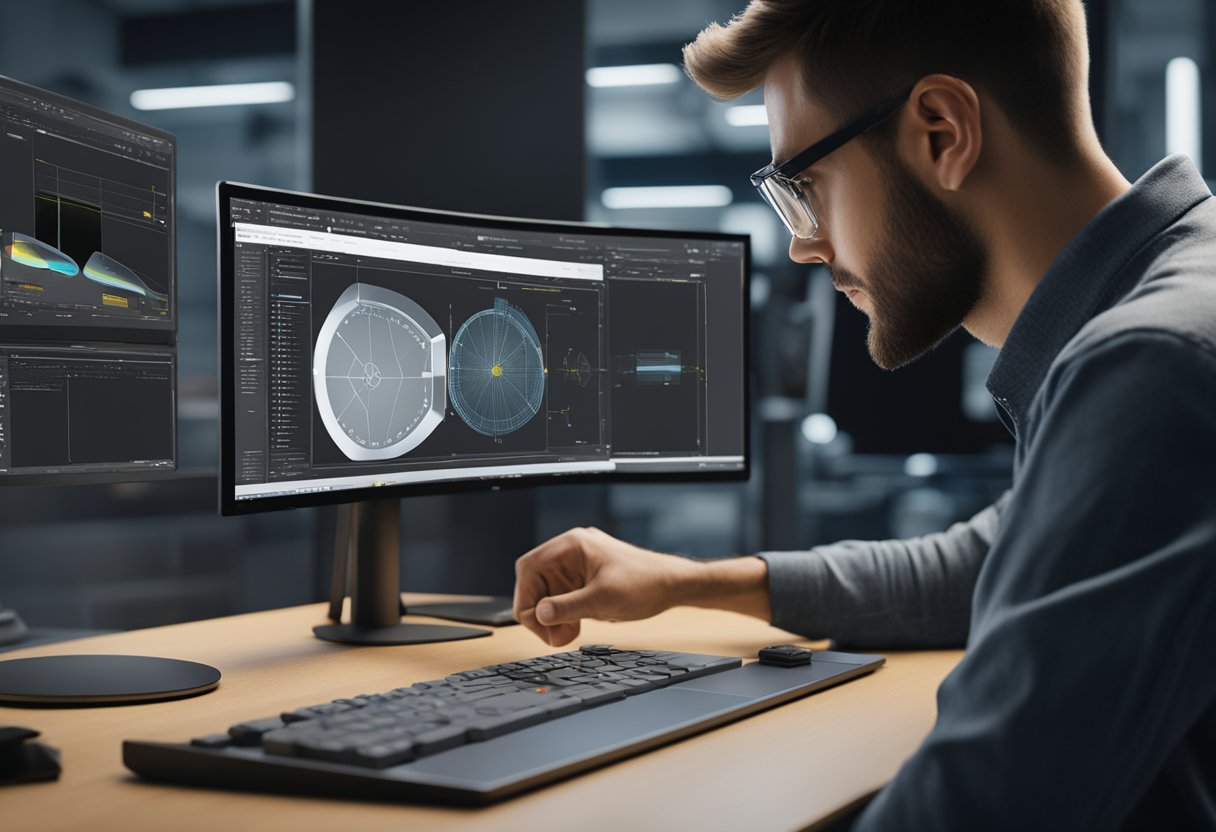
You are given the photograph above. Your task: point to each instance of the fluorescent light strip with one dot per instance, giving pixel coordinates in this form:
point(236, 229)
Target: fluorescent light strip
point(746, 115)
point(216, 95)
point(676, 196)
point(638, 75)
point(1183, 123)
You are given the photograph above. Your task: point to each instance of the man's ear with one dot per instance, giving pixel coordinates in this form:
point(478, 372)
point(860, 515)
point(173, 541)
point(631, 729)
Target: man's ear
point(940, 133)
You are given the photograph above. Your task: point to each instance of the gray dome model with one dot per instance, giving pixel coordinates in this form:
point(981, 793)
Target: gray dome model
point(379, 372)
point(497, 378)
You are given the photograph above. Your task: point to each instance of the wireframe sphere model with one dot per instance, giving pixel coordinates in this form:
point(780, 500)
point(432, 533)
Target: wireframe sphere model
point(497, 374)
point(379, 372)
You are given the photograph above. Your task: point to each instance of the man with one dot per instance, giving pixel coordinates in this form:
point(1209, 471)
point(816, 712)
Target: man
point(961, 182)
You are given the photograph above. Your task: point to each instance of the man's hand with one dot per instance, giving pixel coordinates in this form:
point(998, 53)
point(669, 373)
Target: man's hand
point(585, 573)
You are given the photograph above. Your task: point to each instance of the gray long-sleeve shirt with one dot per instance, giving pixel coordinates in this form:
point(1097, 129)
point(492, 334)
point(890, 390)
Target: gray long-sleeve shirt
point(1086, 596)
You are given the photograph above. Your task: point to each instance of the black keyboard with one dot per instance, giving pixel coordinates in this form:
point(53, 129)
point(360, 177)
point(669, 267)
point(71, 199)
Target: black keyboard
point(386, 729)
point(406, 743)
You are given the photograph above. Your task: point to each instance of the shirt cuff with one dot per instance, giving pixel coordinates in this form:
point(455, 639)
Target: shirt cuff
point(795, 589)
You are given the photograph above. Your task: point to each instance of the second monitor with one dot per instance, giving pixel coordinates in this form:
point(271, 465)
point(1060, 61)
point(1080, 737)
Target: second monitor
point(372, 351)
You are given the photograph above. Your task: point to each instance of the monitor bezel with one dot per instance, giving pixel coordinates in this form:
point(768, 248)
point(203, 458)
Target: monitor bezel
point(103, 337)
point(227, 191)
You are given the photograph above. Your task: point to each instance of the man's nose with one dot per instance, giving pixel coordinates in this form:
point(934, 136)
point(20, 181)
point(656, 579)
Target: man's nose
point(815, 250)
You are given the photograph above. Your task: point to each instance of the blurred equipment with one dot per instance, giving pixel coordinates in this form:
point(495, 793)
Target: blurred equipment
point(88, 335)
point(25, 761)
point(12, 628)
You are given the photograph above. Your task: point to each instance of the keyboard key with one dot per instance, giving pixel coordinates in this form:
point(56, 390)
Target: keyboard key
point(562, 706)
point(480, 695)
point(314, 711)
point(488, 727)
point(323, 748)
point(281, 742)
point(596, 694)
point(212, 741)
point(515, 702)
point(248, 734)
point(692, 662)
point(596, 649)
point(652, 670)
point(381, 754)
point(438, 739)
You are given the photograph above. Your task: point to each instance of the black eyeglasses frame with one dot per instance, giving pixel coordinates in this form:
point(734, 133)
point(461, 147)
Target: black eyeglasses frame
point(873, 117)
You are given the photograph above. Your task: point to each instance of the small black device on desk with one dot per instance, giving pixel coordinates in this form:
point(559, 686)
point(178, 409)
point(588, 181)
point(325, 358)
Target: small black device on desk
point(12, 628)
point(481, 735)
point(785, 655)
point(24, 761)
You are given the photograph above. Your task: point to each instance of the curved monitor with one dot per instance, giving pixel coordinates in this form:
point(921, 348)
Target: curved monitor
point(371, 350)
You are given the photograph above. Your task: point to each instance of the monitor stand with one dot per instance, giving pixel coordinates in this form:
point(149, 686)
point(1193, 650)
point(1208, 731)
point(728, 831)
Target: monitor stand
point(367, 565)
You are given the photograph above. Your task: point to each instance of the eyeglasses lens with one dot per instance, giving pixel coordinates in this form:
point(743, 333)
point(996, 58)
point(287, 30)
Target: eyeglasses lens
point(790, 202)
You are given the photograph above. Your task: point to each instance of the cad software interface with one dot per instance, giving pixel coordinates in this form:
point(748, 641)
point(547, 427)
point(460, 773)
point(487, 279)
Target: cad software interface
point(87, 331)
point(374, 351)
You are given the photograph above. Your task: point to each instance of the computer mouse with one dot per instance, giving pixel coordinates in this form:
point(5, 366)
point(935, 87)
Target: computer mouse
point(12, 628)
point(23, 761)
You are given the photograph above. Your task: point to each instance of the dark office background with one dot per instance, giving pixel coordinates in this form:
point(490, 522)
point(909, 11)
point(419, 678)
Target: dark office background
point(488, 107)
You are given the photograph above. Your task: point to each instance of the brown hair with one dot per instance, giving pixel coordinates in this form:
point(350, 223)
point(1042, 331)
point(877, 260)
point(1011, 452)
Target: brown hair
point(1030, 56)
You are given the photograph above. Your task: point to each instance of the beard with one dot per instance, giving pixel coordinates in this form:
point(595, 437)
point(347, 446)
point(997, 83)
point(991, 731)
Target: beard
point(927, 276)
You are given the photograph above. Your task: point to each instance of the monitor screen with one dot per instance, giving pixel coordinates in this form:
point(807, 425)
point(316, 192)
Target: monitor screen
point(87, 296)
point(366, 346)
point(86, 216)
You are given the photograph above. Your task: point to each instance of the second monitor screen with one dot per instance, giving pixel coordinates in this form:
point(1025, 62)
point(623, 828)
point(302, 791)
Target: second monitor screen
point(86, 218)
point(372, 351)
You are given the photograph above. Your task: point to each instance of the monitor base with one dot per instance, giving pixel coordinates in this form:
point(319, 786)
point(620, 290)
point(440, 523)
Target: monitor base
point(395, 634)
point(492, 612)
point(90, 681)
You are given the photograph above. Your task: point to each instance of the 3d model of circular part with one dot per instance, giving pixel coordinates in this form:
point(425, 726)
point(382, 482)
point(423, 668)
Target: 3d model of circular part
point(497, 376)
point(379, 373)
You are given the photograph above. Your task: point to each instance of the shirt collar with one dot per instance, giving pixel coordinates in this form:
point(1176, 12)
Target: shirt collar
point(1087, 278)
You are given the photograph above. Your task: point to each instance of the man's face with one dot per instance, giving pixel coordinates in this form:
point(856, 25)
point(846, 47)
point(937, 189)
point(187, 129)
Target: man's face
point(902, 256)
point(925, 272)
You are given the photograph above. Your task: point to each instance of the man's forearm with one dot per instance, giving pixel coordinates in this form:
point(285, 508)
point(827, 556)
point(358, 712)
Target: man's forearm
point(866, 593)
point(735, 584)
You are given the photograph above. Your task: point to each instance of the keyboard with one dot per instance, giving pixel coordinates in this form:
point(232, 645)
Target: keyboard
point(480, 735)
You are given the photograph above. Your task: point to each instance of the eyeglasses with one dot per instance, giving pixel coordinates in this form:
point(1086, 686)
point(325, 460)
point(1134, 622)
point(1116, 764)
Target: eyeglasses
point(784, 188)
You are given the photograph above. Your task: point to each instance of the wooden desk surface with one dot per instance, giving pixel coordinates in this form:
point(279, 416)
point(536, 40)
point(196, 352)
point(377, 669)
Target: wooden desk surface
point(787, 768)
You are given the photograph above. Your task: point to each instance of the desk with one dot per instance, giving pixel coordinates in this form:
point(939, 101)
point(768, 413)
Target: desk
point(788, 768)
